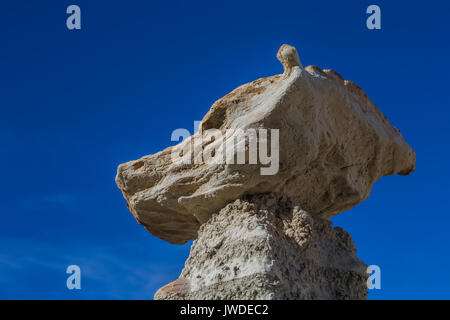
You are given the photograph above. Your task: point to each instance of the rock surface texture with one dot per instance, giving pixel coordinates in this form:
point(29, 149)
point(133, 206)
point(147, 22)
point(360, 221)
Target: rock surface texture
point(333, 143)
point(262, 247)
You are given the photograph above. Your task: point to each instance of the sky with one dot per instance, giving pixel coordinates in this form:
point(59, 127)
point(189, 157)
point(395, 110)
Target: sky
point(77, 103)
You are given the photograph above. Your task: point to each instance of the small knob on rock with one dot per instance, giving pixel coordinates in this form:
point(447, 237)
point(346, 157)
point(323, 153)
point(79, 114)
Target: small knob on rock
point(288, 57)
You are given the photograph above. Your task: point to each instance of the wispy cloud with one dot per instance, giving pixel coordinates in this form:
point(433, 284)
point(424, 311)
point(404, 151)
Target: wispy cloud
point(32, 269)
point(46, 201)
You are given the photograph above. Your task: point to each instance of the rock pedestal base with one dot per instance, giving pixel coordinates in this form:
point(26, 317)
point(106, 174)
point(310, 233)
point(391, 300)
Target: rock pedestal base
point(263, 247)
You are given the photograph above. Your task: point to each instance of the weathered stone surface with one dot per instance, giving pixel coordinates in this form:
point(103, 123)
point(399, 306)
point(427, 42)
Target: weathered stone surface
point(334, 143)
point(263, 247)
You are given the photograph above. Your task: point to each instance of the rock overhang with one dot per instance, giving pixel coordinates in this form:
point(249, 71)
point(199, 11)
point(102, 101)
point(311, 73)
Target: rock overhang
point(334, 143)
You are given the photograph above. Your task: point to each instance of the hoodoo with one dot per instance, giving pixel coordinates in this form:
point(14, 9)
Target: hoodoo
point(267, 236)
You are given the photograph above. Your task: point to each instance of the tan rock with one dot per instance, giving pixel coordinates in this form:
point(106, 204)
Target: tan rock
point(334, 143)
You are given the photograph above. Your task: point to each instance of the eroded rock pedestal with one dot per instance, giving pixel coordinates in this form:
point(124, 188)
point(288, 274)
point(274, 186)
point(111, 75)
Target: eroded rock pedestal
point(253, 238)
point(263, 247)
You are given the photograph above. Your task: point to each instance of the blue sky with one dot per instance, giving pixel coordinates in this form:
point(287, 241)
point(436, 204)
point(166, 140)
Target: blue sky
point(75, 104)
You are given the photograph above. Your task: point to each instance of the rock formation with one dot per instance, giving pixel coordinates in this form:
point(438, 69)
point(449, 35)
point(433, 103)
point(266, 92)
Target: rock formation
point(261, 226)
